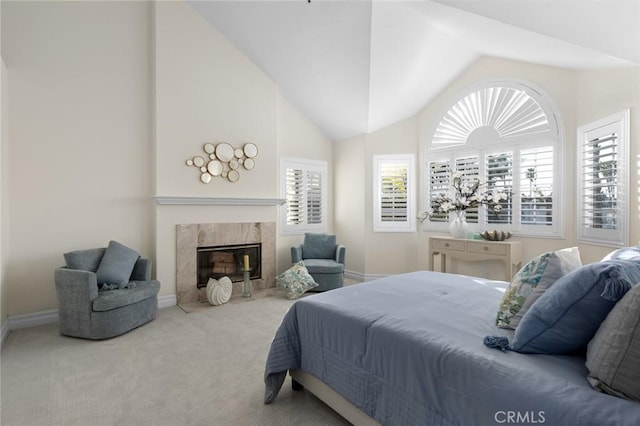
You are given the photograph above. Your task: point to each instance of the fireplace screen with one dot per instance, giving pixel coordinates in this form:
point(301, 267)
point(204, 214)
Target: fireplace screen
point(228, 261)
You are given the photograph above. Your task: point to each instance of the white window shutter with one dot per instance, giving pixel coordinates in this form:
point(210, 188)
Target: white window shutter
point(603, 198)
point(394, 193)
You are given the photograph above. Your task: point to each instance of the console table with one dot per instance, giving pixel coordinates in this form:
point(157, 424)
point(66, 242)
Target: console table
point(509, 252)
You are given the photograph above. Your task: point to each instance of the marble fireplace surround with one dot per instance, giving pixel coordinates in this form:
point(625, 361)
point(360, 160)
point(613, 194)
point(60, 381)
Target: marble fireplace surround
point(191, 236)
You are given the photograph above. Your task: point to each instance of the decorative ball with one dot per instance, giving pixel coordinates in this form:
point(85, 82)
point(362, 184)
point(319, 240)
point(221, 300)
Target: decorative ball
point(219, 291)
point(496, 235)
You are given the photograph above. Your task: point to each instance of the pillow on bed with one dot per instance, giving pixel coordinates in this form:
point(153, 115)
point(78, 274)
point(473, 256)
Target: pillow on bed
point(626, 253)
point(296, 280)
point(568, 314)
point(613, 355)
point(531, 282)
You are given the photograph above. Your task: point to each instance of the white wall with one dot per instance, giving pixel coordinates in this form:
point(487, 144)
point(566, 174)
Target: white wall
point(559, 84)
point(587, 95)
point(207, 91)
point(80, 149)
point(350, 211)
point(4, 169)
point(299, 138)
point(601, 93)
point(106, 102)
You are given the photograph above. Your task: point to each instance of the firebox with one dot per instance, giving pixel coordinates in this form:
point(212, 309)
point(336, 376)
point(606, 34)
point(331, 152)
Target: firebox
point(228, 261)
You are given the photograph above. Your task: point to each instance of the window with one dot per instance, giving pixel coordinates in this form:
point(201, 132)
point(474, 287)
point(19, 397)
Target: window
point(506, 134)
point(603, 191)
point(304, 187)
point(393, 193)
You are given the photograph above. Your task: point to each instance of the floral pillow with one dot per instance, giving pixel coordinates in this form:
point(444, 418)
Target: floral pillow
point(531, 282)
point(296, 280)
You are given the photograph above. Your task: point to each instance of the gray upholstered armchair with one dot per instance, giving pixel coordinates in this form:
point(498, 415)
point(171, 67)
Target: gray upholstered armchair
point(324, 259)
point(87, 312)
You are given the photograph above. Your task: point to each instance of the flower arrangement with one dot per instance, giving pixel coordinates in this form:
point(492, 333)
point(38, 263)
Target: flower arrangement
point(466, 195)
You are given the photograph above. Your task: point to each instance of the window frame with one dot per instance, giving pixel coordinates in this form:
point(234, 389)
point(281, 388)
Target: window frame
point(514, 144)
point(408, 225)
point(305, 165)
point(618, 237)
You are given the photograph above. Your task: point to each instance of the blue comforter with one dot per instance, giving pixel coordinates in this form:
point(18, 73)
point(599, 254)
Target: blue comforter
point(408, 349)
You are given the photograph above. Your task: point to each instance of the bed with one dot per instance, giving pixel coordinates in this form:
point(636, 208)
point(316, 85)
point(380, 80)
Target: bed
point(408, 349)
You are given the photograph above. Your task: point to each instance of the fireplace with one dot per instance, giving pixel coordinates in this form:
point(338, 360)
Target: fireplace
point(231, 241)
point(228, 261)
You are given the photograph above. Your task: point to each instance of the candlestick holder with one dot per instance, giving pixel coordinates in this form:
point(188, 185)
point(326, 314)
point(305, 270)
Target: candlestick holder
point(246, 284)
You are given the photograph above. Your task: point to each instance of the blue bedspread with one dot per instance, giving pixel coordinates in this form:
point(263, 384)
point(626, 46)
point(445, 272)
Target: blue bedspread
point(408, 349)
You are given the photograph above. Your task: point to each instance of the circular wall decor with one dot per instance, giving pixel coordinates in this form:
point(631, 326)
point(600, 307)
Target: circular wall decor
point(215, 167)
point(205, 178)
point(198, 161)
point(249, 163)
point(250, 150)
point(233, 175)
point(224, 160)
point(224, 152)
point(209, 148)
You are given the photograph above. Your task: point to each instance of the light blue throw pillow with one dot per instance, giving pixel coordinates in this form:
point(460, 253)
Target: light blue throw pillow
point(116, 265)
point(86, 260)
point(565, 318)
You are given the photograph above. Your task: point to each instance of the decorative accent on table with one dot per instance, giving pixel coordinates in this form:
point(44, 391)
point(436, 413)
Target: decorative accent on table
point(464, 194)
point(246, 283)
point(219, 291)
point(224, 161)
point(495, 235)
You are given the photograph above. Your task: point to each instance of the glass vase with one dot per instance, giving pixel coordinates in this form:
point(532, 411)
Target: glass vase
point(246, 284)
point(458, 226)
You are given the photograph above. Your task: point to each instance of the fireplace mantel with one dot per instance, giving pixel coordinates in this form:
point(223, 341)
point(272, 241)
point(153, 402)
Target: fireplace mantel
point(217, 201)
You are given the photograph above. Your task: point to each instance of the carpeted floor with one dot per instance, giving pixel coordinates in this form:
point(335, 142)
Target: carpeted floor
point(200, 368)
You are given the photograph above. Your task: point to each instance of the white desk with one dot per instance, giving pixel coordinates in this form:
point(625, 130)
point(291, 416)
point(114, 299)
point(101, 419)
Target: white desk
point(509, 252)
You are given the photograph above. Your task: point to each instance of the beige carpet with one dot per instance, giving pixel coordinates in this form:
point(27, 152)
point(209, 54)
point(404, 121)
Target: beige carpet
point(200, 368)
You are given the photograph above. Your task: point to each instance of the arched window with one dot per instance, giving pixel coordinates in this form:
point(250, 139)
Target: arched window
point(507, 134)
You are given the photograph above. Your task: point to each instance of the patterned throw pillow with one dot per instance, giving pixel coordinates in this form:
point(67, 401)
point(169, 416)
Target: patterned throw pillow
point(613, 353)
point(531, 282)
point(296, 280)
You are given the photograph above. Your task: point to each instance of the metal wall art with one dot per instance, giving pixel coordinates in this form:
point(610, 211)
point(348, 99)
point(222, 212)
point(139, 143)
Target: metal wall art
point(223, 160)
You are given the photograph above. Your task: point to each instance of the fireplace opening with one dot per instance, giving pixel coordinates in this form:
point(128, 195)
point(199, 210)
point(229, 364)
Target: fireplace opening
point(228, 261)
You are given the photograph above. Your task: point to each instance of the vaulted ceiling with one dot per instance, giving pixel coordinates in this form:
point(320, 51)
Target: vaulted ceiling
point(355, 66)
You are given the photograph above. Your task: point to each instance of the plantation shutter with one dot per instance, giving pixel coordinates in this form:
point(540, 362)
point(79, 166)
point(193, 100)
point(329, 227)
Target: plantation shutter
point(314, 197)
point(469, 167)
point(303, 186)
point(393, 194)
point(500, 179)
point(440, 180)
point(536, 186)
point(294, 196)
point(601, 191)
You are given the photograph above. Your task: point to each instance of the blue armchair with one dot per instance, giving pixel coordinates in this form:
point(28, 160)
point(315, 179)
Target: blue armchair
point(324, 259)
point(87, 312)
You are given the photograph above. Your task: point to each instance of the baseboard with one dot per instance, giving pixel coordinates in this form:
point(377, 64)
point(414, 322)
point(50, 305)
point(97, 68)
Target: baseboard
point(4, 333)
point(353, 275)
point(371, 277)
point(33, 320)
point(51, 316)
point(167, 301)
point(360, 277)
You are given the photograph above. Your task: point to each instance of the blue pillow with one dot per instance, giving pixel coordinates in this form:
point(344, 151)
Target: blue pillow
point(86, 260)
point(116, 265)
point(568, 314)
point(626, 253)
